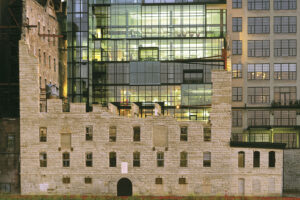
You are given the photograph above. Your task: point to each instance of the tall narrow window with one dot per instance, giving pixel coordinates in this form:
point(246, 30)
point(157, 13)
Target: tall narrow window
point(43, 159)
point(89, 133)
point(241, 159)
point(45, 59)
point(112, 159)
point(160, 159)
point(89, 159)
point(272, 159)
point(39, 27)
point(136, 159)
point(112, 134)
point(40, 57)
point(66, 159)
point(54, 64)
point(50, 62)
point(237, 70)
point(237, 47)
point(183, 133)
point(43, 134)
point(206, 159)
point(183, 159)
point(207, 134)
point(236, 24)
point(136, 134)
point(256, 159)
point(237, 94)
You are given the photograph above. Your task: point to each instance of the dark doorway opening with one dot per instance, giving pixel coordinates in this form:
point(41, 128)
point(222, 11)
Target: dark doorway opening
point(124, 187)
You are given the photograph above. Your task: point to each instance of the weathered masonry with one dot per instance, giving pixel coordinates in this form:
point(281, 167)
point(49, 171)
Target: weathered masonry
point(100, 152)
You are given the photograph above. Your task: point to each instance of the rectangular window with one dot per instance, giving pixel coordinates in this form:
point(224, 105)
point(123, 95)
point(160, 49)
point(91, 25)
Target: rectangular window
point(258, 48)
point(237, 118)
point(258, 4)
point(112, 159)
point(89, 159)
point(285, 95)
point(66, 180)
point(148, 53)
point(237, 24)
point(237, 71)
point(285, 71)
point(160, 159)
point(237, 3)
point(5, 188)
point(136, 134)
point(192, 76)
point(183, 133)
point(89, 133)
point(241, 159)
point(285, 48)
point(258, 118)
point(43, 159)
point(287, 24)
point(54, 64)
point(237, 47)
point(66, 159)
point(259, 71)
point(112, 134)
point(207, 134)
point(290, 139)
point(136, 159)
point(158, 181)
point(182, 181)
point(285, 4)
point(284, 118)
point(258, 95)
point(237, 94)
point(272, 159)
point(258, 25)
point(256, 159)
point(183, 159)
point(88, 180)
point(206, 159)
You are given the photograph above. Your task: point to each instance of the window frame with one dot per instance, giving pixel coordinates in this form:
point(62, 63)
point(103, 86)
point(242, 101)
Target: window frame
point(264, 48)
point(237, 71)
point(255, 24)
point(256, 159)
point(183, 159)
point(136, 159)
point(89, 133)
point(89, 159)
point(43, 159)
point(253, 75)
point(241, 159)
point(237, 47)
point(183, 133)
point(66, 161)
point(136, 133)
point(278, 75)
point(237, 94)
point(112, 159)
point(160, 159)
point(272, 159)
point(112, 135)
point(206, 159)
point(237, 24)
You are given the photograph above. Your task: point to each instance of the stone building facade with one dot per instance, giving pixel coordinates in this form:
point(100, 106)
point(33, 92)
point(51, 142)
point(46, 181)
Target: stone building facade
point(81, 152)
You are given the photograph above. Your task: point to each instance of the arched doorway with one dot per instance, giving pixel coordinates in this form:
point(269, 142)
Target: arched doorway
point(124, 187)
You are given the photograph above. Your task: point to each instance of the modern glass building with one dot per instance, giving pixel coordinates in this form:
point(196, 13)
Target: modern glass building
point(133, 51)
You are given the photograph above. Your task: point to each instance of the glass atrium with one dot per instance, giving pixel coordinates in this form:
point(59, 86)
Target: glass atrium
point(142, 52)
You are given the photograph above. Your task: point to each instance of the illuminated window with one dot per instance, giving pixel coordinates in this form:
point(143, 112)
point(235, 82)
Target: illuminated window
point(237, 71)
point(258, 71)
point(286, 71)
point(148, 53)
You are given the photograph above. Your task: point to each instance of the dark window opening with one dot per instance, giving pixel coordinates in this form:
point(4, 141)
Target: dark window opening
point(256, 159)
point(89, 133)
point(88, 180)
point(160, 159)
point(207, 134)
point(192, 76)
point(136, 134)
point(183, 159)
point(136, 159)
point(241, 159)
point(272, 159)
point(158, 181)
point(66, 159)
point(183, 133)
point(112, 159)
point(89, 160)
point(206, 159)
point(182, 181)
point(112, 134)
point(66, 180)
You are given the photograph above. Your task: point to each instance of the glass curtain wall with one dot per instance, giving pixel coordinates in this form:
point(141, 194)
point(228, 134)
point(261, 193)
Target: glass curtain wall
point(145, 52)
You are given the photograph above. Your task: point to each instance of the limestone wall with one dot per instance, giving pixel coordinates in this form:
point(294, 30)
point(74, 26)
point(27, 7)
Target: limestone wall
point(291, 170)
point(219, 179)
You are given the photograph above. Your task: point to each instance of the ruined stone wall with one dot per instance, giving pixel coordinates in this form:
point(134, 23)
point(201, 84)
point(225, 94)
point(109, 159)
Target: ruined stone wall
point(219, 179)
point(45, 48)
